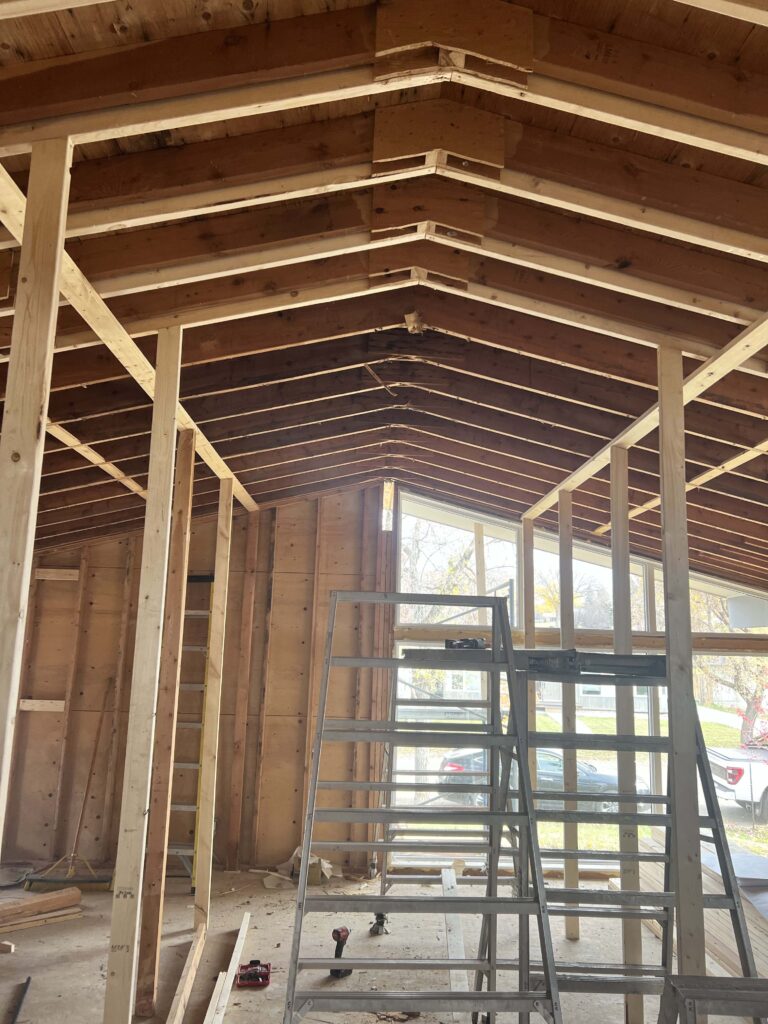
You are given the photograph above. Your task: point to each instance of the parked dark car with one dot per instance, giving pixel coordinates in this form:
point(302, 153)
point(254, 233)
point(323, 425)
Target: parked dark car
point(471, 766)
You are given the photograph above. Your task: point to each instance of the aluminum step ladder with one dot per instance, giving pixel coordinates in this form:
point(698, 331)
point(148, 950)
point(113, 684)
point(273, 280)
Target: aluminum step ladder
point(189, 723)
point(498, 810)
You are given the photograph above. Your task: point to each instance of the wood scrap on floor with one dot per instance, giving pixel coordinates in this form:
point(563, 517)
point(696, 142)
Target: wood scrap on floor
point(7, 947)
point(720, 942)
point(218, 1004)
point(32, 911)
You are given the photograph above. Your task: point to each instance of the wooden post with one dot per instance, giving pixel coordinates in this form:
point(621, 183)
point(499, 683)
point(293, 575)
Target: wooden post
point(480, 578)
point(242, 695)
point(625, 707)
point(686, 846)
point(210, 740)
point(165, 729)
point(129, 868)
point(24, 418)
point(568, 640)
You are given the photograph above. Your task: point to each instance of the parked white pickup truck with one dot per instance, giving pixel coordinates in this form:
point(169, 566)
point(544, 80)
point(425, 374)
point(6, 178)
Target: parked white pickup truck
point(742, 775)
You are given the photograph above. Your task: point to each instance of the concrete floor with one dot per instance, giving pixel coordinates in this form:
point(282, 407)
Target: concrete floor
point(67, 962)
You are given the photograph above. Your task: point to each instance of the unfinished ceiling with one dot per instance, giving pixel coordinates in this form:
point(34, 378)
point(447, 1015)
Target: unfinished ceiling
point(434, 242)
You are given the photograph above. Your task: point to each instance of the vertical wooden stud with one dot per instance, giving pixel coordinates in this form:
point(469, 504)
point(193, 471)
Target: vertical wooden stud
point(210, 740)
point(153, 896)
point(658, 783)
point(686, 846)
point(129, 868)
point(625, 707)
point(121, 666)
point(481, 583)
point(242, 694)
point(24, 418)
point(568, 640)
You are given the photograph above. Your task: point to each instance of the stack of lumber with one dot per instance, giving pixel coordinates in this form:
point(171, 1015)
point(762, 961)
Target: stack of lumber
point(33, 910)
point(719, 941)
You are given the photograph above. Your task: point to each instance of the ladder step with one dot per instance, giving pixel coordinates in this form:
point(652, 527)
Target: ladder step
point(189, 725)
point(612, 818)
point(181, 849)
point(376, 1001)
point(597, 741)
point(407, 787)
point(617, 798)
point(621, 913)
point(197, 613)
point(442, 702)
point(198, 648)
point(412, 738)
point(398, 816)
point(603, 855)
point(421, 904)
point(192, 687)
point(187, 765)
point(400, 847)
point(371, 724)
point(469, 661)
point(184, 807)
point(411, 832)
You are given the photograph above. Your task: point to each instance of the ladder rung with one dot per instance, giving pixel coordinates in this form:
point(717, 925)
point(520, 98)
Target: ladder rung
point(597, 741)
point(399, 816)
point(376, 1001)
point(442, 702)
point(422, 904)
point(600, 855)
point(192, 687)
point(406, 787)
point(612, 818)
point(181, 849)
point(383, 845)
point(465, 833)
point(189, 725)
point(184, 807)
point(186, 765)
point(371, 724)
point(471, 661)
point(617, 798)
point(199, 648)
point(197, 613)
point(611, 897)
point(401, 738)
point(618, 912)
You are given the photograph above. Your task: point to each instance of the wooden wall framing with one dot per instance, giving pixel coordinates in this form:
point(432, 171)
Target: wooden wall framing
point(280, 570)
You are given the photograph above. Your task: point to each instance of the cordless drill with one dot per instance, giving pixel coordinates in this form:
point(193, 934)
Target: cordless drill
point(340, 936)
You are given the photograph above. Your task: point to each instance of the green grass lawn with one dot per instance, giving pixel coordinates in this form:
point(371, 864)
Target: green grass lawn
point(546, 723)
point(717, 735)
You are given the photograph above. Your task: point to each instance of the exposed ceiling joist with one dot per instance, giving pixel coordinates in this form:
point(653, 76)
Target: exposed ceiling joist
point(753, 11)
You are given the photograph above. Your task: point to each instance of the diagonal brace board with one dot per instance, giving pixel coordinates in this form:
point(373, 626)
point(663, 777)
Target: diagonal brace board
point(81, 294)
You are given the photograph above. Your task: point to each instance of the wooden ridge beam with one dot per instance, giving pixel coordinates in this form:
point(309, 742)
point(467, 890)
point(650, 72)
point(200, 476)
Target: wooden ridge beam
point(79, 292)
point(706, 103)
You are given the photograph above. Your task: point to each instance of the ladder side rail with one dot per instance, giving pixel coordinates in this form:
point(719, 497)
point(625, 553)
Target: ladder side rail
point(493, 683)
point(738, 920)
point(388, 765)
point(519, 711)
point(306, 843)
point(668, 923)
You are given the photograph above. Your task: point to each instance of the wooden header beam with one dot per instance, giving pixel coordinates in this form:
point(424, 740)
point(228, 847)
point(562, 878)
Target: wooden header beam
point(744, 346)
point(77, 290)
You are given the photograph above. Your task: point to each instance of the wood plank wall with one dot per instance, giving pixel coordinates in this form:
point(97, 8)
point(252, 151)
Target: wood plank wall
point(305, 549)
